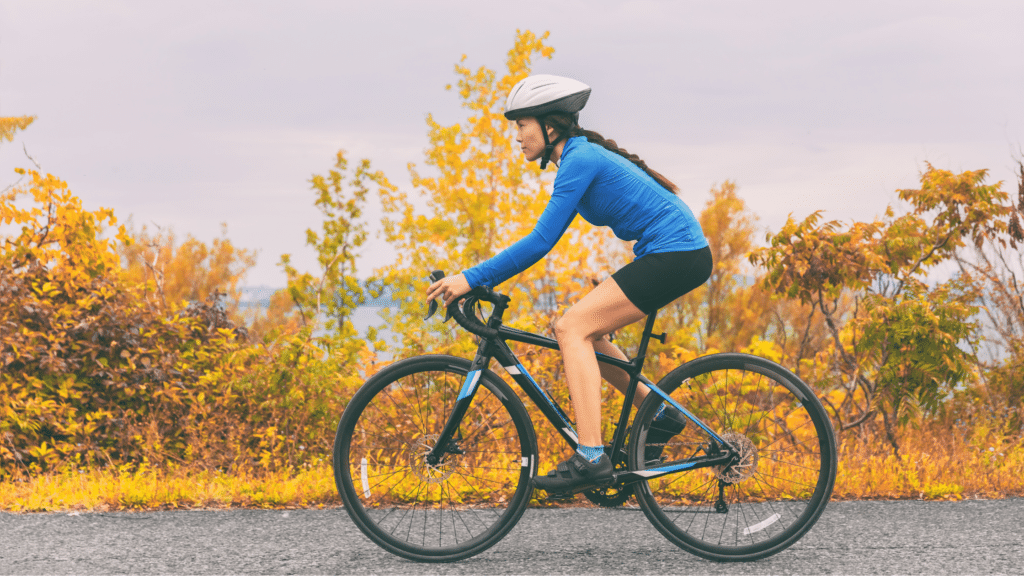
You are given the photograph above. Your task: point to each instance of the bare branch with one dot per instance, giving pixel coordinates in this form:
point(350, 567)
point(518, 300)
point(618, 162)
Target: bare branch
point(29, 156)
point(860, 420)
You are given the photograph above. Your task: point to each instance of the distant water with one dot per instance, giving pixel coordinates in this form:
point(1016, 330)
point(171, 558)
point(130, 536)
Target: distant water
point(366, 316)
point(258, 298)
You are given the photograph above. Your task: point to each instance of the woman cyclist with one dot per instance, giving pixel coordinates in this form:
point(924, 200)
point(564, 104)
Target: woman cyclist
point(608, 187)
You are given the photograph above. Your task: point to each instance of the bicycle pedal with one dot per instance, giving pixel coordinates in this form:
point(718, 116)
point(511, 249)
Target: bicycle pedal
point(564, 496)
point(579, 490)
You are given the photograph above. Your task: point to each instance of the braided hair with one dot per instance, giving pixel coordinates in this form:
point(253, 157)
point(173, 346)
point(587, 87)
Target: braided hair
point(566, 124)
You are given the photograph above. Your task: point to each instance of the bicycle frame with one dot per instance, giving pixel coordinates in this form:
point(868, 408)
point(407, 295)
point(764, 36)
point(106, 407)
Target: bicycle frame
point(721, 452)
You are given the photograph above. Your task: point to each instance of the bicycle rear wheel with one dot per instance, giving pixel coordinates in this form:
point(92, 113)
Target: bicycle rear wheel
point(772, 497)
point(434, 513)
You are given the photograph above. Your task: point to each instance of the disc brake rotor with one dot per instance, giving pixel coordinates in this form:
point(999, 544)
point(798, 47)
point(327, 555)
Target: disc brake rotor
point(747, 464)
point(429, 473)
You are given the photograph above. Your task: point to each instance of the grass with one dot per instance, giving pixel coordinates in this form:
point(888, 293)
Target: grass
point(148, 489)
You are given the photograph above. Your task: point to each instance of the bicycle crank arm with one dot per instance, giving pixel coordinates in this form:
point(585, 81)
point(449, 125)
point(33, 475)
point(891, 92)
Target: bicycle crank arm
point(632, 477)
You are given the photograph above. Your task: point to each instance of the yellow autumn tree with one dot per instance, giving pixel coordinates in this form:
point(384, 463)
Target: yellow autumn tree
point(89, 373)
point(192, 271)
point(96, 372)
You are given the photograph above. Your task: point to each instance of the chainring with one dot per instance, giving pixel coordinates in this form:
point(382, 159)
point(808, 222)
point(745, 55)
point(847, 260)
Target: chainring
point(610, 496)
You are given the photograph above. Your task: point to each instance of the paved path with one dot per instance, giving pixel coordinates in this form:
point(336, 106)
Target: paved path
point(907, 537)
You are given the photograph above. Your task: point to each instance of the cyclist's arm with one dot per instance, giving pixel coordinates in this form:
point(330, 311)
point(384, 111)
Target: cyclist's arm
point(570, 184)
point(519, 256)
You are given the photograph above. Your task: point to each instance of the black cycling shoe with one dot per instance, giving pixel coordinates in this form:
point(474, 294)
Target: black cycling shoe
point(576, 474)
point(662, 431)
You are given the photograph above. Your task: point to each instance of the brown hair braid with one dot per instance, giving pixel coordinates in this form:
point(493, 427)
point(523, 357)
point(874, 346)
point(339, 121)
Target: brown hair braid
point(563, 122)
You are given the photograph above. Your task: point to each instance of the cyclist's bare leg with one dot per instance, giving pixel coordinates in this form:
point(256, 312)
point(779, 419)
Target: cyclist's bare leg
point(605, 309)
point(617, 376)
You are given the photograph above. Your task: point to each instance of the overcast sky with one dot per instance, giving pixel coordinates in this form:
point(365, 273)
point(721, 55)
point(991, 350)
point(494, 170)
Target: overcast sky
point(189, 114)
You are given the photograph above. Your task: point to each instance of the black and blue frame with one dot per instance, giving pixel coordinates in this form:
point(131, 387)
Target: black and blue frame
point(493, 345)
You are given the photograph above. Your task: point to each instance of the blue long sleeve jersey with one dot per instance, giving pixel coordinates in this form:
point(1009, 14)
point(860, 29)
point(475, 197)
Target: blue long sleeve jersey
point(608, 190)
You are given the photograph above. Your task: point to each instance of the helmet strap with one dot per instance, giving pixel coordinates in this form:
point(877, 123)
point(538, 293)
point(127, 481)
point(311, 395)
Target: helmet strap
point(549, 147)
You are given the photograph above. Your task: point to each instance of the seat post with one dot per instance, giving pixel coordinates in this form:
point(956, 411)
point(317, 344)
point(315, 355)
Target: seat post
point(619, 437)
point(641, 352)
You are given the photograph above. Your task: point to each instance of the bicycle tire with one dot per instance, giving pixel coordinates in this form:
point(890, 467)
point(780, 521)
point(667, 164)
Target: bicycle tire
point(463, 505)
point(772, 497)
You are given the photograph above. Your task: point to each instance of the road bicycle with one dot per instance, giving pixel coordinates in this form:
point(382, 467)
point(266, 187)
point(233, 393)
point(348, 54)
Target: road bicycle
point(434, 455)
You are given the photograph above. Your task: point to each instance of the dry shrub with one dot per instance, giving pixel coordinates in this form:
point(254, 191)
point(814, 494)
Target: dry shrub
point(112, 383)
point(940, 459)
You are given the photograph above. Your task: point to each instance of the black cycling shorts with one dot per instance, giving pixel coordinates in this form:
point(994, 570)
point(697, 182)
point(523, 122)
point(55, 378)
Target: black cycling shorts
point(655, 280)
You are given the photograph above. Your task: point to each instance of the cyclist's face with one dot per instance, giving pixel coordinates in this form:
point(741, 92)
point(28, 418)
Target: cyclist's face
point(530, 138)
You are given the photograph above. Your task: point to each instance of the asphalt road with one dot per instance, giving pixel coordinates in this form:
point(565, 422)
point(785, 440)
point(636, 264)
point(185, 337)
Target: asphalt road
point(904, 537)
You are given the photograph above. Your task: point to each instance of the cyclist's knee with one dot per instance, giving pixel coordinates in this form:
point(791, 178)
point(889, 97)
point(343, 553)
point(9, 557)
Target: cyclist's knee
point(563, 327)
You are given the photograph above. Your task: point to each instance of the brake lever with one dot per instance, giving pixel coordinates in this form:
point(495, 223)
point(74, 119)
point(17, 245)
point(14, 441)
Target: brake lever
point(434, 277)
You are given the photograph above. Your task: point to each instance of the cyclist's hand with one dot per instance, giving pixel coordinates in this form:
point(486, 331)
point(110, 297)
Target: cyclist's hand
point(448, 288)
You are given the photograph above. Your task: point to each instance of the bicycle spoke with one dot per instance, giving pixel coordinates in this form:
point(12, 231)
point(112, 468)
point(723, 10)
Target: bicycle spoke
point(791, 464)
point(751, 413)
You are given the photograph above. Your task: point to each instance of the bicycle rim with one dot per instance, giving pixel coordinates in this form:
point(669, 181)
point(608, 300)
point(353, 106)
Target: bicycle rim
point(777, 491)
point(435, 513)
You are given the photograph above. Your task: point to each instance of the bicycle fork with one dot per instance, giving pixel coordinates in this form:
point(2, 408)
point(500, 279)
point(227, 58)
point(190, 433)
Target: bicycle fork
point(448, 441)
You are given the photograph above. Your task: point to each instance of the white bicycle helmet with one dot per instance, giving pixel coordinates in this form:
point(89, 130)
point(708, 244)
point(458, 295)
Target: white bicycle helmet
point(543, 94)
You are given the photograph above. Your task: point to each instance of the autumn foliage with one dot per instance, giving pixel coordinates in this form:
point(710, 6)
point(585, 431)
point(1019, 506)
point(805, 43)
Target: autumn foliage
point(101, 368)
point(134, 351)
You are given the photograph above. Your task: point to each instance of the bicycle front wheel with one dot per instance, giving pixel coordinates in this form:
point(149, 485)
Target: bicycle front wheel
point(760, 505)
point(447, 511)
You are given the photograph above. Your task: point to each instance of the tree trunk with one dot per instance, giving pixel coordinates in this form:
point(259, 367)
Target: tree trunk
point(890, 430)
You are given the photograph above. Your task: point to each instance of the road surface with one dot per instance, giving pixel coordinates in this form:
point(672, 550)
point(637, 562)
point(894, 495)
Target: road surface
point(903, 537)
